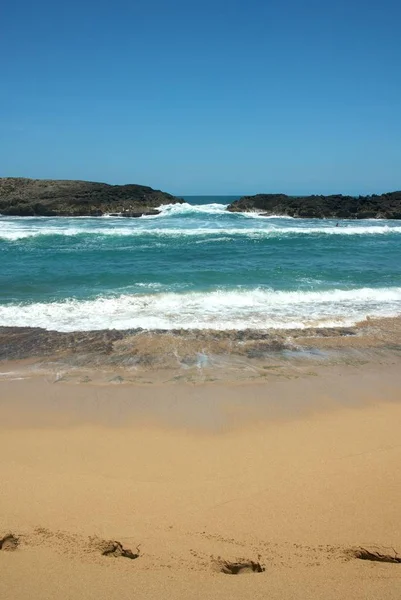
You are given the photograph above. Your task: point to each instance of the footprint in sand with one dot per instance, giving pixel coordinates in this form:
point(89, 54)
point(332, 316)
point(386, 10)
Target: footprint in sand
point(116, 549)
point(239, 567)
point(9, 542)
point(375, 554)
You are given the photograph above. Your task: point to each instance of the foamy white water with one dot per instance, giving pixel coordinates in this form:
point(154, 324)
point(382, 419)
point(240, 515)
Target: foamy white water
point(221, 310)
point(248, 226)
point(197, 266)
point(188, 209)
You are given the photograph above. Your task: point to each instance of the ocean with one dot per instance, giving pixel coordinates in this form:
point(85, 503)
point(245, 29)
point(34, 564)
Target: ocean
point(197, 266)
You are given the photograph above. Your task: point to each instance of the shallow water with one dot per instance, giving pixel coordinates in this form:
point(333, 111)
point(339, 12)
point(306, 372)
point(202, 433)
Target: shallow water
point(197, 266)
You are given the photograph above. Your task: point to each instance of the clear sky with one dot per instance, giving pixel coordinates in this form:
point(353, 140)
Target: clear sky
point(204, 97)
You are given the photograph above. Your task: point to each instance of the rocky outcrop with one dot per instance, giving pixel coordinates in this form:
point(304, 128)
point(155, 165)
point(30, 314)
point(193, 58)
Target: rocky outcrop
point(48, 197)
point(385, 206)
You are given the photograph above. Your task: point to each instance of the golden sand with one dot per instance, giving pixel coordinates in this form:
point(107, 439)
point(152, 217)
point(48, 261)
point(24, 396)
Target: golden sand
point(292, 475)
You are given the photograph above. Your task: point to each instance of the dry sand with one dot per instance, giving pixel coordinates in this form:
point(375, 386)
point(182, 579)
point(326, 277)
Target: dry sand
point(293, 475)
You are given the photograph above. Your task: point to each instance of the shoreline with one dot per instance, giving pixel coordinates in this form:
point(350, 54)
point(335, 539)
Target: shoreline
point(197, 356)
point(278, 454)
point(202, 407)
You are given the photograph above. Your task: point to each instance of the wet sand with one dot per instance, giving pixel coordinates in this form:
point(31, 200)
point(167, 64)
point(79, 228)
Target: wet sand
point(294, 474)
point(197, 356)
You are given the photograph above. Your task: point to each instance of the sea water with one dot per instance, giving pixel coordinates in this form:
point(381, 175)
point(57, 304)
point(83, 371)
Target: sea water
point(197, 266)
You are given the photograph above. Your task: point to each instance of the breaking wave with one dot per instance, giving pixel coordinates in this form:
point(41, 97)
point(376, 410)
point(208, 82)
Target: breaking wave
point(20, 228)
point(220, 310)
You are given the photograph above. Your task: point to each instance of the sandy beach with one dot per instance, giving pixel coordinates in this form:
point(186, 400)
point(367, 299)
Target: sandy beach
point(288, 477)
point(200, 301)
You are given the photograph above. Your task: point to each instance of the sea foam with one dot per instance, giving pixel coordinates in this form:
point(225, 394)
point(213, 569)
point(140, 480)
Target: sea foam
point(14, 229)
point(220, 310)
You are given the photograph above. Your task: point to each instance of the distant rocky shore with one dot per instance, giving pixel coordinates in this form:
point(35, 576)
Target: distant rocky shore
point(384, 206)
point(50, 198)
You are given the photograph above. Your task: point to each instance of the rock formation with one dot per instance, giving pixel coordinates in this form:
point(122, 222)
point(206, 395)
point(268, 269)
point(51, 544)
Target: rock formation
point(48, 197)
point(385, 206)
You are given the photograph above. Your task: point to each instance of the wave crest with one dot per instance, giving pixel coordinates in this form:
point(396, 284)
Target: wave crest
point(14, 231)
point(167, 210)
point(219, 309)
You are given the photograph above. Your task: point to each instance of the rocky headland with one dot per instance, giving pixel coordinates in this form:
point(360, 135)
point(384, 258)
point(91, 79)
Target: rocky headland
point(50, 198)
point(384, 206)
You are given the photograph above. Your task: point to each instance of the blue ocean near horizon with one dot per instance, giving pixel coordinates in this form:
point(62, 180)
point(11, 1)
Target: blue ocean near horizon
point(197, 266)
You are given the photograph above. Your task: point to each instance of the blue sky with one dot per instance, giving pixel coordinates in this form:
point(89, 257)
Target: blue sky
point(204, 97)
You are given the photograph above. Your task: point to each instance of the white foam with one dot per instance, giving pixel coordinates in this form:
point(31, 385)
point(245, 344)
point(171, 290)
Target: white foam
point(261, 215)
point(236, 309)
point(16, 230)
point(188, 209)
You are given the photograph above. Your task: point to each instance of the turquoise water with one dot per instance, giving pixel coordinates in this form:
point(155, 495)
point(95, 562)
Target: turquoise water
point(196, 265)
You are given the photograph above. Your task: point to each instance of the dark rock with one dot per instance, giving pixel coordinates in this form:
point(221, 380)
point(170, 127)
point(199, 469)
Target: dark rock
point(386, 206)
point(49, 198)
point(148, 213)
